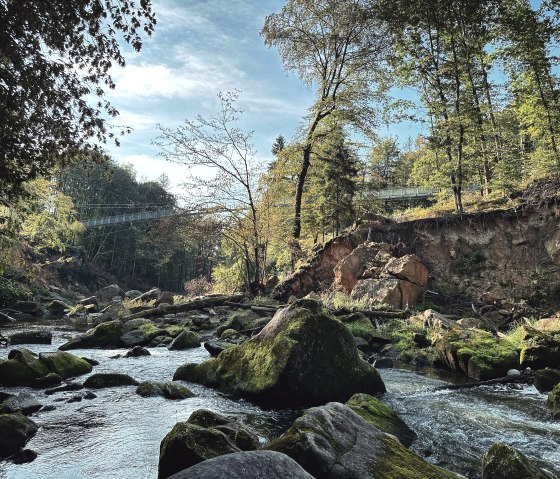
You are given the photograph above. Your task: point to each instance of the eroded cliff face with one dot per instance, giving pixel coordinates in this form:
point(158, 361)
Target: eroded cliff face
point(496, 257)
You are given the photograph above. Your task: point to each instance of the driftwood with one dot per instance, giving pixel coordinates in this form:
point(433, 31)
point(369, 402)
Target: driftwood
point(257, 308)
point(385, 314)
point(207, 302)
point(524, 378)
point(243, 331)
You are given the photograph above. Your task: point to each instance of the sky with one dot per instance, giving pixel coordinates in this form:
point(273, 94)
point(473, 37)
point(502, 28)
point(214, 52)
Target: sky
point(200, 48)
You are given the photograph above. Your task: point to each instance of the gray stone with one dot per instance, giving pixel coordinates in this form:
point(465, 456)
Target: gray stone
point(31, 337)
point(504, 462)
point(185, 340)
point(24, 403)
point(107, 380)
point(107, 293)
point(167, 389)
point(135, 324)
point(334, 442)
point(15, 431)
point(246, 465)
point(134, 338)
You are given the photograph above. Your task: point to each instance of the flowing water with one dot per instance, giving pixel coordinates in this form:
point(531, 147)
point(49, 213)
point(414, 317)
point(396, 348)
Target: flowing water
point(117, 434)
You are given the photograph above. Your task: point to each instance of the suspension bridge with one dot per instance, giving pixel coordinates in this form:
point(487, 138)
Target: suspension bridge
point(386, 194)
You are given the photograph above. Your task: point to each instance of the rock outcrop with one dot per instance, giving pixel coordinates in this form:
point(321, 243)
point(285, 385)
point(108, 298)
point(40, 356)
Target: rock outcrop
point(303, 354)
point(15, 431)
point(332, 442)
point(477, 353)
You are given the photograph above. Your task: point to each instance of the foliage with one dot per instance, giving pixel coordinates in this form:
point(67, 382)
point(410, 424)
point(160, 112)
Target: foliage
point(55, 56)
point(11, 292)
point(228, 279)
point(198, 287)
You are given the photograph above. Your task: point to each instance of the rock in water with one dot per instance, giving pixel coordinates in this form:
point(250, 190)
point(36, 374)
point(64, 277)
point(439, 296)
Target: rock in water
point(546, 379)
point(104, 335)
point(107, 380)
point(303, 355)
point(203, 436)
point(477, 353)
point(187, 339)
point(246, 465)
point(504, 462)
point(333, 442)
point(553, 401)
point(31, 337)
point(15, 431)
point(21, 368)
point(168, 390)
point(24, 403)
point(381, 416)
point(64, 364)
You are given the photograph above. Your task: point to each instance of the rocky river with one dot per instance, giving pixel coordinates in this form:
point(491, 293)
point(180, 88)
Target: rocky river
point(118, 433)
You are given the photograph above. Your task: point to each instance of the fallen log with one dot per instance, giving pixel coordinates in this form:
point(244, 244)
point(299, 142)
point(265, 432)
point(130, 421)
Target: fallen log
point(254, 306)
point(522, 379)
point(206, 302)
point(384, 314)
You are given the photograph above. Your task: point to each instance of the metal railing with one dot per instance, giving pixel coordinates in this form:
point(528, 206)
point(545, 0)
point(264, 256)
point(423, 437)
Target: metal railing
point(128, 218)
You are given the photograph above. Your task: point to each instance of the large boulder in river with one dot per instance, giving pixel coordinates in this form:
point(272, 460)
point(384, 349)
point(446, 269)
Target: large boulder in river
point(203, 436)
point(246, 465)
point(64, 364)
point(24, 368)
point(15, 431)
point(21, 368)
point(333, 442)
point(104, 335)
point(304, 355)
point(187, 339)
point(477, 353)
point(31, 337)
point(504, 462)
point(381, 416)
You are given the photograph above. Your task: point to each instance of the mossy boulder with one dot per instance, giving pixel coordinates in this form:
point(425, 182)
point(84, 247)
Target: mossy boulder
point(553, 401)
point(359, 325)
point(381, 416)
point(246, 465)
point(153, 331)
point(504, 462)
point(64, 364)
point(186, 339)
point(540, 349)
point(167, 389)
point(240, 321)
point(546, 379)
point(15, 431)
point(31, 337)
point(333, 441)
point(21, 368)
point(107, 380)
point(188, 444)
point(243, 437)
point(477, 353)
point(304, 354)
point(104, 335)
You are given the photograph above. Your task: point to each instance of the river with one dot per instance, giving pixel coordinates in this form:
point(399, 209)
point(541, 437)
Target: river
point(117, 434)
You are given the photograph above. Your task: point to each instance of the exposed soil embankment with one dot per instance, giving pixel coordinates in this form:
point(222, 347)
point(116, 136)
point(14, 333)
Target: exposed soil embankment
point(491, 257)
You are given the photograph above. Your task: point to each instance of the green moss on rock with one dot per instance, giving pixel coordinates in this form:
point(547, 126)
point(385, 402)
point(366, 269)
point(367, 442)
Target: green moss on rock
point(104, 335)
point(477, 353)
point(359, 325)
point(504, 462)
point(21, 368)
point(185, 340)
point(540, 349)
point(168, 390)
point(303, 354)
point(381, 416)
point(64, 364)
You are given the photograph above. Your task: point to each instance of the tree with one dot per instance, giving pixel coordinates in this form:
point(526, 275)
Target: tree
point(335, 46)
point(54, 55)
point(220, 147)
point(278, 145)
